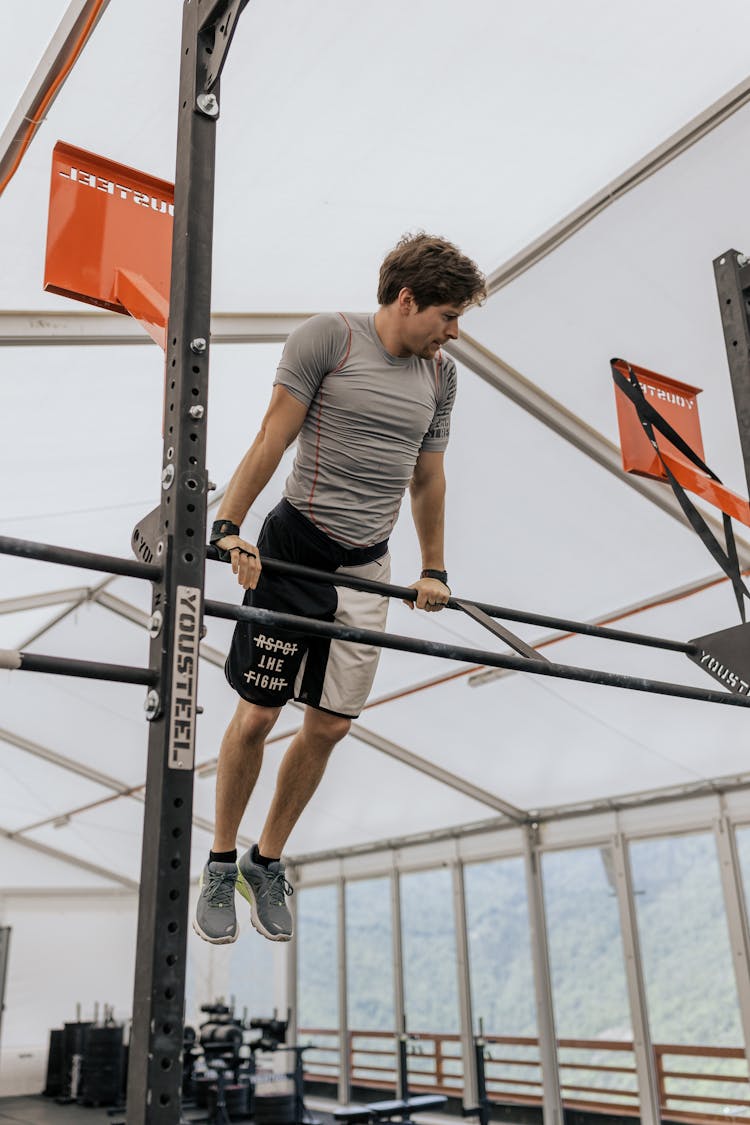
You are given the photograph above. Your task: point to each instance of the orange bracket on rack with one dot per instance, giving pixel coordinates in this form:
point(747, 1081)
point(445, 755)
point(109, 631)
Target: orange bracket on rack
point(109, 237)
point(677, 403)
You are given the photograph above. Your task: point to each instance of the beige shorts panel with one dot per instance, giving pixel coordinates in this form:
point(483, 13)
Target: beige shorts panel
point(351, 668)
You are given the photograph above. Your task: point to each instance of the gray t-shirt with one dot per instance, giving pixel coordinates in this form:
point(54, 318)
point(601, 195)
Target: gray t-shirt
point(369, 416)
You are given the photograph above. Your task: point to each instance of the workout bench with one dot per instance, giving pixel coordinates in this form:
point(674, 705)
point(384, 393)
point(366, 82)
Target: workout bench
point(399, 1108)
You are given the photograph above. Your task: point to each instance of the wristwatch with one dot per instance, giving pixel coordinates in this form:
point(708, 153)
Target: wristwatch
point(440, 575)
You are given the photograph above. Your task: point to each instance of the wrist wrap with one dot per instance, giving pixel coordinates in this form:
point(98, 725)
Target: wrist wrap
point(220, 528)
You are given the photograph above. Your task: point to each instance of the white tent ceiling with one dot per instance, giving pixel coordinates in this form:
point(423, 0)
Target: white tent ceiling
point(341, 127)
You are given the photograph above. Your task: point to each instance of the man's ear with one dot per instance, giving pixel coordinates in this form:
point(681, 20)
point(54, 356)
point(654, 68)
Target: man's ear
point(406, 302)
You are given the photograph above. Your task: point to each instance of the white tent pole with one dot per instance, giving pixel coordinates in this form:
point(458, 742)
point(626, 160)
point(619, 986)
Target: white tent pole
point(463, 969)
point(552, 1107)
point(53, 853)
point(736, 910)
point(660, 156)
point(645, 1061)
point(397, 952)
point(58, 52)
point(345, 1078)
point(287, 979)
point(28, 602)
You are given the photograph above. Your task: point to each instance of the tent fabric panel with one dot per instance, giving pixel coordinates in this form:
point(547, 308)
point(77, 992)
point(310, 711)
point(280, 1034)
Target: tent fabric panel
point(32, 789)
point(598, 121)
point(22, 866)
point(652, 251)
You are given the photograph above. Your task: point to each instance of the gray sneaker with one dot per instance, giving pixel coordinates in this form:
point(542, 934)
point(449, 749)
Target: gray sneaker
point(265, 889)
point(215, 919)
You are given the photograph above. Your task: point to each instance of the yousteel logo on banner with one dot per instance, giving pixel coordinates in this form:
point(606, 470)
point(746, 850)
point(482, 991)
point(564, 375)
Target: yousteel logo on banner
point(121, 191)
point(108, 222)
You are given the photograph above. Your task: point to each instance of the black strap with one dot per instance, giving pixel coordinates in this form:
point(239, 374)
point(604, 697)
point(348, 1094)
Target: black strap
point(651, 420)
point(221, 528)
point(439, 575)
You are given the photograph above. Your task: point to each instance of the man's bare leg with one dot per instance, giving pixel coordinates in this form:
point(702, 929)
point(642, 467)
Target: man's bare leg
point(299, 774)
point(262, 880)
point(240, 759)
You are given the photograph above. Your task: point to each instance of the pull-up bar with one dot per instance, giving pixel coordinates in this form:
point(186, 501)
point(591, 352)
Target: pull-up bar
point(528, 661)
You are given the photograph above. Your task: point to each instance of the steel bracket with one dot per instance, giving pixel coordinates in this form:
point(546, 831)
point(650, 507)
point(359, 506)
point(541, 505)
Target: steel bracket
point(725, 655)
point(218, 22)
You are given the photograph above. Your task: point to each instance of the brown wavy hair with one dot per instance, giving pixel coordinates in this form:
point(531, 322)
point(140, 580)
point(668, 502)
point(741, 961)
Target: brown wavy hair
point(435, 271)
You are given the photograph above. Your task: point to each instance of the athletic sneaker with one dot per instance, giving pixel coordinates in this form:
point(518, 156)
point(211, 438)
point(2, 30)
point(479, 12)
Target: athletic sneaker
point(215, 919)
point(265, 888)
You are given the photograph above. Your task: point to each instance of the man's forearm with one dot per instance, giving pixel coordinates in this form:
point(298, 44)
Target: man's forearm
point(250, 477)
point(428, 512)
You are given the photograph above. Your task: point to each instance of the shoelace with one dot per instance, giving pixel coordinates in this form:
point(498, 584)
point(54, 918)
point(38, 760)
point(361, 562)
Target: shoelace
point(277, 888)
point(220, 889)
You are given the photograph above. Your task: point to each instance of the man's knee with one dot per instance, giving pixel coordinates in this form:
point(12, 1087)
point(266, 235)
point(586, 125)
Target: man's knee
point(325, 727)
point(255, 722)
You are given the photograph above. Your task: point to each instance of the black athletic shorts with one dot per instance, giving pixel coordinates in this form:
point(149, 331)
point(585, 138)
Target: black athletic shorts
point(271, 666)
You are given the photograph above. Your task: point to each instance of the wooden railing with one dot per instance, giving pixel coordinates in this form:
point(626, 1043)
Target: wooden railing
point(696, 1084)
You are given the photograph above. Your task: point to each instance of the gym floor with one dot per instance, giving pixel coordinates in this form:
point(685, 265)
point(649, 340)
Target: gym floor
point(37, 1110)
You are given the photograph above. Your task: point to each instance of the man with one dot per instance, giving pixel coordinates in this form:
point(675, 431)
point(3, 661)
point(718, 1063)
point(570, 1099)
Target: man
point(368, 400)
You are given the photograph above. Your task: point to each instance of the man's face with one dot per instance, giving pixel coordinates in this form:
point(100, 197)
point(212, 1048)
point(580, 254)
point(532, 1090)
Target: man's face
point(425, 331)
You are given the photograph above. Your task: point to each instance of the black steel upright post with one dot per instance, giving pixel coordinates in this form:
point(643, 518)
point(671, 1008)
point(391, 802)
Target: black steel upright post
point(4, 953)
point(732, 273)
point(155, 1060)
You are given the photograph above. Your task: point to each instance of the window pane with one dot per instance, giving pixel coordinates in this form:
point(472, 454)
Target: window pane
point(429, 943)
point(430, 980)
point(369, 953)
point(502, 975)
point(688, 968)
point(317, 980)
point(369, 950)
point(588, 977)
point(251, 975)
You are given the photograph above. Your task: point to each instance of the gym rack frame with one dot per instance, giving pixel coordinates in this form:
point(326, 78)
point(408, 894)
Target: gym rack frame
point(155, 1071)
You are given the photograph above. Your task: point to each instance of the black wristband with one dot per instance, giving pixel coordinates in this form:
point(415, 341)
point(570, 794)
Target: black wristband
point(220, 528)
point(440, 575)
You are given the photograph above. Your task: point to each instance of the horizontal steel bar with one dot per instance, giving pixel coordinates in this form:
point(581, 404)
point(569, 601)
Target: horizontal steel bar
point(406, 593)
point(61, 328)
point(85, 669)
point(47, 552)
point(308, 626)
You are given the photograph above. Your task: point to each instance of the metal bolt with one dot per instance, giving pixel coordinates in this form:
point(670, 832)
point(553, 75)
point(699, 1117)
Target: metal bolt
point(211, 486)
point(199, 710)
point(197, 411)
point(742, 259)
point(204, 631)
point(167, 477)
point(152, 704)
point(155, 623)
point(198, 345)
point(722, 261)
point(208, 104)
